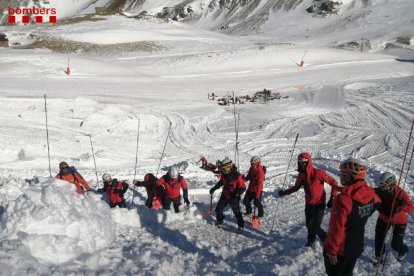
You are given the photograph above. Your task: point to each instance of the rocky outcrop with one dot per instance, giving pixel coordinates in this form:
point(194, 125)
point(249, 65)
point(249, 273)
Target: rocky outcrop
point(4, 41)
point(323, 7)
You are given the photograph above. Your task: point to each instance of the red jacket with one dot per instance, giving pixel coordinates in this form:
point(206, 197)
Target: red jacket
point(256, 177)
point(230, 183)
point(399, 215)
point(313, 182)
point(115, 191)
point(172, 185)
point(76, 179)
point(350, 211)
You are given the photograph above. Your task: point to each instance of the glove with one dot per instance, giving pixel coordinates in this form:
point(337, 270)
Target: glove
point(187, 202)
point(281, 193)
point(329, 204)
point(135, 182)
point(212, 190)
point(400, 202)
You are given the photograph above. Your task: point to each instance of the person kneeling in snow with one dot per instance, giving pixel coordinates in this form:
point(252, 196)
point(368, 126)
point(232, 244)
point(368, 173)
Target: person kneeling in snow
point(233, 187)
point(70, 174)
point(115, 191)
point(172, 182)
point(153, 192)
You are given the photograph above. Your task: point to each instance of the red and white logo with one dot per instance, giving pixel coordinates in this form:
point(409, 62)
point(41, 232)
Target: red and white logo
point(39, 15)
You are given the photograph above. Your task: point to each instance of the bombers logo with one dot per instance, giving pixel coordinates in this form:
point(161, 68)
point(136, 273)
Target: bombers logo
point(40, 15)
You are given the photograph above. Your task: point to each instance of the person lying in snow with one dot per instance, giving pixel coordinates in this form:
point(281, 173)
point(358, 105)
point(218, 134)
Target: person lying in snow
point(153, 192)
point(233, 188)
point(115, 191)
point(173, 182)
point(70, 174)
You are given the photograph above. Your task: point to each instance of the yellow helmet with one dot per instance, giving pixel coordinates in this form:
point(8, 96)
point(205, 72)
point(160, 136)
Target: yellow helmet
point(226, 166)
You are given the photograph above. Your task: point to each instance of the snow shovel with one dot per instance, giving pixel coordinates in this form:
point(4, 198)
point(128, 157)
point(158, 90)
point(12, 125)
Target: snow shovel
point(208, 211)
point(156, 203)
point(255, 219)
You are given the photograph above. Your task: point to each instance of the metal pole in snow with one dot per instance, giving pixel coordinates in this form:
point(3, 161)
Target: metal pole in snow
point(47, 138)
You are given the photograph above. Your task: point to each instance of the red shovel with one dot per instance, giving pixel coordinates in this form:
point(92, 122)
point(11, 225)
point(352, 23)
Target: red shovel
point(156, 203)
point(208, 211)
point(255, 219)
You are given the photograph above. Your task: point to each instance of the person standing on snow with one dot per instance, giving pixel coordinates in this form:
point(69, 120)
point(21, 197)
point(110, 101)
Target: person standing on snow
point(312, 180)
point(395, 204)
point(173, 182)
point(233, 187)
point(70, 174)
point(256, 177)
point(150, 184)
point(115, 191)
point(350, 212)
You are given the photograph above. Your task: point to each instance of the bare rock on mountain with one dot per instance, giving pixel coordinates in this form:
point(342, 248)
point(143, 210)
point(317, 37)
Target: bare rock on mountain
point(4, 41)
point(323, 7)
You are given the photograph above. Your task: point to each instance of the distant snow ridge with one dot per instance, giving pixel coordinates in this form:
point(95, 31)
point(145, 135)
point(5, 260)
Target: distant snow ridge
point(55, 223)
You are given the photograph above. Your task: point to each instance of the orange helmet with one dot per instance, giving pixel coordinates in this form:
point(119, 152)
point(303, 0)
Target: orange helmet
point(351, 170)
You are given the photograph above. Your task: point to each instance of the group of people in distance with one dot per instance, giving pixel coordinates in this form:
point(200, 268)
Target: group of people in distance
point(351, 204)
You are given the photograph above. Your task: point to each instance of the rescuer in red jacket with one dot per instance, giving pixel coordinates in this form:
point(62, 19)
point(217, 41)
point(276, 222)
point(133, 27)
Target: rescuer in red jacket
point(173, 182)
point(350, 212)
point(395, 204)
point(70, 174)
point(256, 177)
point(233, 187)
point(312, 180)
point(115, 191)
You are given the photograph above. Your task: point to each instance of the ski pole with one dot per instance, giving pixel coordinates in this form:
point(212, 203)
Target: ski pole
point(163, 150)
point(94, 161)
point(408, 167)
point(284, 182)
point(159, 165)
point(236, 131)
point(136, 161)
point(47, 138)
point(210, 208)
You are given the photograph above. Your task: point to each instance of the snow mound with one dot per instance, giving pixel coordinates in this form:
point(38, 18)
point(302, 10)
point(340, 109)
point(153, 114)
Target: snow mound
point(54, 222)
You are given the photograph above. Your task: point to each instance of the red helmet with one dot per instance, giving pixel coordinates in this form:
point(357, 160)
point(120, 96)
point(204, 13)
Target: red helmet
point(351, 170)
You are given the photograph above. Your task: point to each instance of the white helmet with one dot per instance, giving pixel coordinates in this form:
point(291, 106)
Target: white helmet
point(385, 179)
point(255, 159)
point(106, 177)
point(173, 172)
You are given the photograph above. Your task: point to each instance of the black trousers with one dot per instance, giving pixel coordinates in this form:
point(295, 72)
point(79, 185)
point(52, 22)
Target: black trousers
point(249, 196)
point(166, 203)
point(314, 217)
point(119, 204)
point(397, 242)
point(344, 267)
point(235, 206)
